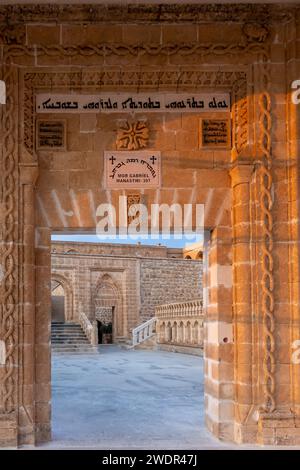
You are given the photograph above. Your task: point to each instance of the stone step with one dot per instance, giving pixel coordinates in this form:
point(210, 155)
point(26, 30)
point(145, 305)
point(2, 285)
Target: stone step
point(80, 333)
point(78, 353)
point(82, 338)
point(69, 338)
point(69, 330)
point(66, 325)
point(67, 333)
point(62, 347)
point(77, 335)
point(66, 350)
point(70, 341)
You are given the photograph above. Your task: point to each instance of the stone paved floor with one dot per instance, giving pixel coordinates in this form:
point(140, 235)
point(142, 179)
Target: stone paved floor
point(129, 400)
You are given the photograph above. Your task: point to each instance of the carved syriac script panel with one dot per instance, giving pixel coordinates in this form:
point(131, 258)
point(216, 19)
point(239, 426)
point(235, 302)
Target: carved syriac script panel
point(215, 133)
point(132, 102)
point(132, 169)
point(50, 135)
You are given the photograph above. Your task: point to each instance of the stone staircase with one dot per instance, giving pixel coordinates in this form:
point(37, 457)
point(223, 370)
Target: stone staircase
point(143, 336)
point(70, 338)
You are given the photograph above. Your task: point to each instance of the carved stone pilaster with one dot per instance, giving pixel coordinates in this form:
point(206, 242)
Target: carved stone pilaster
point(240, 174)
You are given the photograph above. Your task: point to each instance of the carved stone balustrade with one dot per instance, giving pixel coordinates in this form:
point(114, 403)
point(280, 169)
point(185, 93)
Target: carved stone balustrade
point(180, 327)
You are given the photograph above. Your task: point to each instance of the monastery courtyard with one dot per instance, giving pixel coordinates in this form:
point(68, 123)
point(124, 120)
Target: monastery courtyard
point(130, 399)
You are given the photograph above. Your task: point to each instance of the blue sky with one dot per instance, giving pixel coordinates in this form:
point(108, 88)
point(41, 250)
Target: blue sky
point(171, 243)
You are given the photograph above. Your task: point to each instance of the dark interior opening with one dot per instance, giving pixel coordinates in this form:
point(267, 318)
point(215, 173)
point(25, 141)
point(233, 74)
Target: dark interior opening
point(99, 325)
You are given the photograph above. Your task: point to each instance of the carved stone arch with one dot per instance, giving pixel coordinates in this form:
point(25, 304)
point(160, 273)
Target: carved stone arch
point(174, 332)
point(107, 294)
point(66, 284)
point(162, 331)
point(72, 252)
point(188, 334)
point(196, 332)
point(168, 332)
point(180, 332)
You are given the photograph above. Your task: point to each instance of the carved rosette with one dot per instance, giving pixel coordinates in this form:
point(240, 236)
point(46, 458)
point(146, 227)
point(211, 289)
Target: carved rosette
point(133, 136)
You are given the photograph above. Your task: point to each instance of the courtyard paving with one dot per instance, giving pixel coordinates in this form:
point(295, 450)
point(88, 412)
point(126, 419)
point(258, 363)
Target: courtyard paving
point(124, 399)
point(128, 399)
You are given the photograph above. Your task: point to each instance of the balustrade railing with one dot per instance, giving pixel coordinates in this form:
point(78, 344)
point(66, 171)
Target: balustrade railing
point(88, 328)
point(143, 332)
point(180, 324)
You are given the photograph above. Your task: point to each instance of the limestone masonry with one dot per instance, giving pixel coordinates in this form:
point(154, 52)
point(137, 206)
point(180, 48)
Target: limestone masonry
point(244, 170)
point(132, 279)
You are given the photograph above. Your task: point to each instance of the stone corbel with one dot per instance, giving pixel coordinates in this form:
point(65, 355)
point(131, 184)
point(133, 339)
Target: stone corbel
point(241, 173)
point(245, 155)
point(28, 173)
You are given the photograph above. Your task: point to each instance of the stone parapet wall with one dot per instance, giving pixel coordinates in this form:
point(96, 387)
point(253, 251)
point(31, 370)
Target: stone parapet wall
point(141, 251)
point(179, 327)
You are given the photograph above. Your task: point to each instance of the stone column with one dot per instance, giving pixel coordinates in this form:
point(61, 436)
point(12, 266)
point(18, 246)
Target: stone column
point(218, 338)
point(244, 371)
point(28, 177)
point(9, 263)
point(42, 334)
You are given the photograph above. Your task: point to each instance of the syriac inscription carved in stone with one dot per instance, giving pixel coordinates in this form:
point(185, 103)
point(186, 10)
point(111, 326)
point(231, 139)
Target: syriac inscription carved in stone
point(215, 133)
point(133, 102)
point(51, 135)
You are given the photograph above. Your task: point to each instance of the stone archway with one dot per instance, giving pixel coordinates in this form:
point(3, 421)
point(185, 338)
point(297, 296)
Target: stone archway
point(57, 302)
point(65, 283)
point(249, 283)
point(108, 304)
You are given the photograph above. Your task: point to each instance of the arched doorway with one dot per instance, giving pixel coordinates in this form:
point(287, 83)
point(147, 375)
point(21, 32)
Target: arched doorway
point(61, 299)
point(57, 302)
point(107, 304)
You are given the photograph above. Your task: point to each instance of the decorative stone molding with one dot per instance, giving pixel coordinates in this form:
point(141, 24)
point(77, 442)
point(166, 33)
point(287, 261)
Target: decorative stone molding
point(138, 13)
point(9, 255)
point(266, 205)
point(255, 32)
point(13, 34)
point(236, 81)
point(133, 136)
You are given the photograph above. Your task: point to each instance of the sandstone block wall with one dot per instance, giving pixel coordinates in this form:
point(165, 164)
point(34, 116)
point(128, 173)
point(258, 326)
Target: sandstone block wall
point(250, 192)
point(137, 280)
point(168, 281)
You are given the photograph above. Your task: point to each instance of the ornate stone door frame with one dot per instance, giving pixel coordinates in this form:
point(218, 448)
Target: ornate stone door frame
point(25, 404)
